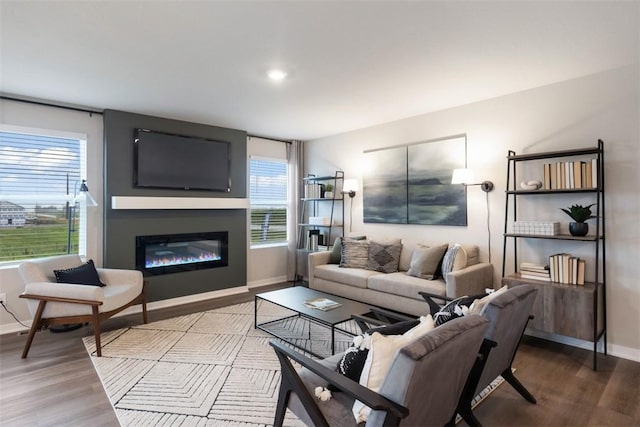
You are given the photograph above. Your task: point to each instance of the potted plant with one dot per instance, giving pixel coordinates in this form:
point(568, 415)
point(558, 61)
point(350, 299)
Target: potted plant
point(579, 214)
point(328, 191)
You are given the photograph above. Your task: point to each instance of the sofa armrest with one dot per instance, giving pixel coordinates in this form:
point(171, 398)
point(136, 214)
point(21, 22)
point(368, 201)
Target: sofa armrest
point(470, 280)
point(315, 259)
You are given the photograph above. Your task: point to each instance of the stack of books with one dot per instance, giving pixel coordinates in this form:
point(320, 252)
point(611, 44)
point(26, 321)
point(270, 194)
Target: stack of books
point(565, 268)
point(323, 304)
point(571, 175)
point(312, 190)
point(530, 270)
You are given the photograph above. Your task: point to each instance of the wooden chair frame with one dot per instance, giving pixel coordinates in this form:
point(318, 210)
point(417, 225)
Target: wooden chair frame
point(95, 317)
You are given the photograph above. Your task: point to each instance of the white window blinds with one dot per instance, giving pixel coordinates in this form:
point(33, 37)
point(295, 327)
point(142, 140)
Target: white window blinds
point(268, 199)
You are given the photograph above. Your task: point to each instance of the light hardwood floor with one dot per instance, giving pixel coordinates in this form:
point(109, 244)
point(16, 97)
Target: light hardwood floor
point(57, 385)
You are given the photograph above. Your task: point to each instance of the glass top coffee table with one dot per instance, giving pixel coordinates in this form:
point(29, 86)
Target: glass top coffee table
point(300, 323)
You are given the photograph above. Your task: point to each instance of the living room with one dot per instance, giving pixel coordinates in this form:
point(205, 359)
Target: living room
point(560, 97)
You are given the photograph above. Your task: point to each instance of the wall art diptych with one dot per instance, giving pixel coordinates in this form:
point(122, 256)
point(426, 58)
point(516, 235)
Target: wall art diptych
point(411, 184)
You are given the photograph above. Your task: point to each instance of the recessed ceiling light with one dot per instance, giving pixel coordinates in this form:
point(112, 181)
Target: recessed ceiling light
point(277, 74)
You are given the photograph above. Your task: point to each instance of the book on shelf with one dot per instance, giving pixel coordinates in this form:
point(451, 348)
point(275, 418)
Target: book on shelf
point(570, 175)
point(324, 304)
point(567, 269)
point(524, 275)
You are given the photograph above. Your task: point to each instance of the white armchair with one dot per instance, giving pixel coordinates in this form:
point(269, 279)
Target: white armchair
point(52, 303)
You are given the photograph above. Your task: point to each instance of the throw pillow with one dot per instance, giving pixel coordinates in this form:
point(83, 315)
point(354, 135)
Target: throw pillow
point(355, 253)
point(384, 257)
point(478, 305)
point(336, 250)
point(448, 260)
point(457, 308)
point(86, 274)
point(354, 358)
point(425, 261)
point(381, 355)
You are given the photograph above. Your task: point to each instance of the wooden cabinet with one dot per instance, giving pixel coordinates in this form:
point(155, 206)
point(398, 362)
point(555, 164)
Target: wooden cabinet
point(577, 311)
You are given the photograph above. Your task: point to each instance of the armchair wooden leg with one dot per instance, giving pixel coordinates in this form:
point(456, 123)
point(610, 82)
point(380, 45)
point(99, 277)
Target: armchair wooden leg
point(96, 330)
point(511, 379)
point(37, 323)
point(144, 312)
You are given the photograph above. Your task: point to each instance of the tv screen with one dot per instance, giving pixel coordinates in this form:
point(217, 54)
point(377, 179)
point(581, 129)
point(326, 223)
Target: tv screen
point(164, 160)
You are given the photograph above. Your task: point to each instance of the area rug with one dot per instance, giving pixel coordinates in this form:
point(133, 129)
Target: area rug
point(204, 369)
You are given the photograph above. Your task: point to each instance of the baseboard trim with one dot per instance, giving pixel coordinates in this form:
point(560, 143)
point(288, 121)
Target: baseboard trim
point(612, 349)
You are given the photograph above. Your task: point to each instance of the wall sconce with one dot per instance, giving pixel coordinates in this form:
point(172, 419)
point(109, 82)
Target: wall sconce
point(466, 178)
point(350, 186)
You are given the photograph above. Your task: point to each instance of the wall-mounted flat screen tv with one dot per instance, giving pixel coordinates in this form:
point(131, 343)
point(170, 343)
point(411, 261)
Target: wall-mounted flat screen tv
point(163, 160)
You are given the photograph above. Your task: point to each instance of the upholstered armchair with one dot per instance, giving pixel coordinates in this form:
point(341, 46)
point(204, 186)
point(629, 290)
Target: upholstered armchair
point(422, 386)
point(53, 303)
point(508, 315)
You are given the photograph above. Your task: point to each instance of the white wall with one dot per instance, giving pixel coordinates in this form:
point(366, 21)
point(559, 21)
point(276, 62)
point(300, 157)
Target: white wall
point(41, 117)
point(265, 265)
point(564, 115)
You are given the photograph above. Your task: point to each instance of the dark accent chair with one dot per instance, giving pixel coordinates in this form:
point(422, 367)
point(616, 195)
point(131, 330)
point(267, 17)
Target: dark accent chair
point(423, 385)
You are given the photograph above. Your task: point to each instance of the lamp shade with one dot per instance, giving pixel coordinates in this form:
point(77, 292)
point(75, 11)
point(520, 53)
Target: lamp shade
point(350, 185)
point(84, 196)
point(462, 176)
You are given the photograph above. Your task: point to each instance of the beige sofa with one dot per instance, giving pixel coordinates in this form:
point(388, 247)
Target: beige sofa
point(399, 291)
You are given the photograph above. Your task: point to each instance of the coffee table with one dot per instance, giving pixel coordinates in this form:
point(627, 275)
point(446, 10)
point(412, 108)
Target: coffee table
point(293, 299)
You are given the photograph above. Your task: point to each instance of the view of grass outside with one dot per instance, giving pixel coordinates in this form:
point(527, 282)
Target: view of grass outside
point(38, 238)
point(269, 225)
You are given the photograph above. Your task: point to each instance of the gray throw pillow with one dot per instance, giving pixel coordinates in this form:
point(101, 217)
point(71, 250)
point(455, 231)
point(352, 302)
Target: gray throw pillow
point(384, 257)
point(336, 251)
point(355, 253)
point(425, 261)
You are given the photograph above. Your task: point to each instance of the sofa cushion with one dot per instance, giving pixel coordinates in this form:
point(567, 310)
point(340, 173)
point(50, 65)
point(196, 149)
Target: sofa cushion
point(384, 257)
point(425, 261)
point(467, 255)
point(407, 286)
point(349, 276)
point(355, 253)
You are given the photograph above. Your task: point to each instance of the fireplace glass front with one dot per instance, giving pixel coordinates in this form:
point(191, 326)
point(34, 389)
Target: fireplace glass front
point(174, 253)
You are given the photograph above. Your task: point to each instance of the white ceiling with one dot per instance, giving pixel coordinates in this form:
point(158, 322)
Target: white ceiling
point(350, 64)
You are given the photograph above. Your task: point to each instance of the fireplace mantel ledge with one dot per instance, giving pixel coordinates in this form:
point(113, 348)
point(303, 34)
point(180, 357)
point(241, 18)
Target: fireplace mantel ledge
point(147, 202)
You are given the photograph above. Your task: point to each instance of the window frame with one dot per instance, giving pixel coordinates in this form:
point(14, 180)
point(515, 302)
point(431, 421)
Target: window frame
point(83, 159)
point(285, 242)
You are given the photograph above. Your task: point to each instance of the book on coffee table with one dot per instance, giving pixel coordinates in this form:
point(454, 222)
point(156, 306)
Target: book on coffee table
point(323, 304)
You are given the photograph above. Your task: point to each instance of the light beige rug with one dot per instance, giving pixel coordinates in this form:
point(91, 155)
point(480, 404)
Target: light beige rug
point(204, 369)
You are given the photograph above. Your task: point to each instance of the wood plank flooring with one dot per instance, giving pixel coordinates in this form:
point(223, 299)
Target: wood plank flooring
point(57, 385)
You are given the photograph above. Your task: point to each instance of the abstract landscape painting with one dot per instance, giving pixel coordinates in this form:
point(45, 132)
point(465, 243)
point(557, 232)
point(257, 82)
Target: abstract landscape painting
point(385, 186)
point(411, 184)
point(432, 198)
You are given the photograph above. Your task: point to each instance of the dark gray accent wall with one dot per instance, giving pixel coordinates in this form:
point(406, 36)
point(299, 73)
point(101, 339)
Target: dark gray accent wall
point(122, 226)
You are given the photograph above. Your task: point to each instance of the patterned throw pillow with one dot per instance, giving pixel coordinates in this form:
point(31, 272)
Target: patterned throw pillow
point(352, 362)
point(384, 257)
point(355, 253)
point(457, 308)
point(448, 260)
point(86, 274)
point(336, 250)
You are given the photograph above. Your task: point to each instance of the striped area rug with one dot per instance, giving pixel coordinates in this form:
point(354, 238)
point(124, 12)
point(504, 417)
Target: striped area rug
point(206, 369)
point(203, 369)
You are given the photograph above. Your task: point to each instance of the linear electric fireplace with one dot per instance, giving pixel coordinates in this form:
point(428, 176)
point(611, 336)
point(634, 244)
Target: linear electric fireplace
point(175, 253)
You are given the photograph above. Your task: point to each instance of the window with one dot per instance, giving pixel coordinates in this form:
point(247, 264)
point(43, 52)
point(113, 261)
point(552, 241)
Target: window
point(268, 197)
point(39, 176)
